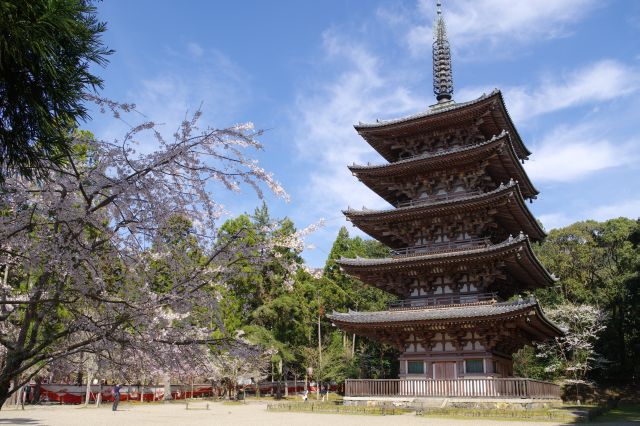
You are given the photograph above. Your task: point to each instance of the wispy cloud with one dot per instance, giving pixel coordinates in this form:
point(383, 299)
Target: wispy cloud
point(195, 49)
point(503, 23)
point(570, 153)
point(555, 220)
point(325, 118)
point(628, 208)
point(178, 87)
point(601, 213)
point(597, 82)
point(601, 81)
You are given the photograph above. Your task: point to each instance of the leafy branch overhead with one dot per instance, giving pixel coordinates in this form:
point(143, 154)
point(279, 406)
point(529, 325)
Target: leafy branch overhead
point(47, 48)
point(117, 253)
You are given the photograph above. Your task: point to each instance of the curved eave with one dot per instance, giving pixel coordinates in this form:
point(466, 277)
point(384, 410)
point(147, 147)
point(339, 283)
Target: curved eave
point(417, 318)
point(520, 246)
point(366, 220)
point(543, 318)
point(374, 133)
point(370, 175)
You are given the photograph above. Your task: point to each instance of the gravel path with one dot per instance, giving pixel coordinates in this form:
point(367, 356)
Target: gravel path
point(218, 414)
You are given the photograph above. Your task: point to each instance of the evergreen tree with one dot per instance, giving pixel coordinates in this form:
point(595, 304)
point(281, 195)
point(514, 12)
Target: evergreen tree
point(46, 50)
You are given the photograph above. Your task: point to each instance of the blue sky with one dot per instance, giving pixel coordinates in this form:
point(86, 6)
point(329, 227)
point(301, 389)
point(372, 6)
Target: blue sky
point(306, 71)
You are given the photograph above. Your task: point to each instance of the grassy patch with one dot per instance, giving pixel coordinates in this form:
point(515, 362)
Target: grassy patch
point(622, 414)
point(233, 403)
point(329, 407)
point(500, 414)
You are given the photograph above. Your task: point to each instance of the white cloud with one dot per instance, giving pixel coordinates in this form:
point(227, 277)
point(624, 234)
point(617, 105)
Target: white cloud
point(176, 90)
point(601, 81)
point(629, 208)
point(326, 140)
point(555, 220)
point(567, 154)
point(195, 49)
point(325, 119)
point(498, 22)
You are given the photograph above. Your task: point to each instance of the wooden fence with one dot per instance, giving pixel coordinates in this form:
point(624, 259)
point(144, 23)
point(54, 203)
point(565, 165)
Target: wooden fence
point(475, 388)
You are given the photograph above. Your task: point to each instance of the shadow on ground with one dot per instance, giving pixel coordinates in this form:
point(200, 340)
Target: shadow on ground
point(20, 421)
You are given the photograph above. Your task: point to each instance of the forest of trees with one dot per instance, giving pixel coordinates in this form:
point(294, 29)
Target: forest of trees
point(598, 264)
point(113, 262)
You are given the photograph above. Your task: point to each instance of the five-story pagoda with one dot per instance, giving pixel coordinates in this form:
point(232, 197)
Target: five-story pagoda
point(459, 233)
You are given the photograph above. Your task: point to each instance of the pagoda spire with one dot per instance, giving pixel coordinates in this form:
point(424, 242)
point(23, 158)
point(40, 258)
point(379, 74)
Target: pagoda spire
point(442, 76)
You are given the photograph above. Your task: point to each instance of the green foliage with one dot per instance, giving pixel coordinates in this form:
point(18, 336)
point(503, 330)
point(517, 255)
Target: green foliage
point(360, 296)
point(46, 50)
point(284, 310)
point(333, 408)
point(527, 364)
point(373, 360)
point(598, 263)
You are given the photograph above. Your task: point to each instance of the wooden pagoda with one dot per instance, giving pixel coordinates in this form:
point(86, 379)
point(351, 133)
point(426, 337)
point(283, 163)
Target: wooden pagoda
point(460, 236)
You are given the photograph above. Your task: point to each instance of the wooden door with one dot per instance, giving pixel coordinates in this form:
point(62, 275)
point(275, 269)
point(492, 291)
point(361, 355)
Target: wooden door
point(444, 370)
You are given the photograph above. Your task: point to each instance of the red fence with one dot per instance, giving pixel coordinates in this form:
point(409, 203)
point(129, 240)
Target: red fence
point(75, 394)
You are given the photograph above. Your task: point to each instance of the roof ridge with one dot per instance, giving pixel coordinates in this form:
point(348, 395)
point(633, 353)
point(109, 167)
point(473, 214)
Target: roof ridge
point(427, 203)
point(432, 110)
point(428, 155)
point(509, 241)
point(481, 310)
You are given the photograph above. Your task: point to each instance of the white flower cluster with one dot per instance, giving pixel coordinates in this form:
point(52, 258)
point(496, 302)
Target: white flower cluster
point(92, 261)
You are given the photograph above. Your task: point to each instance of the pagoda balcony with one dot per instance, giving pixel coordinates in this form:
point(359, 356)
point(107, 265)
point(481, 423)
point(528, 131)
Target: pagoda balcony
point(441, 246)
point(438, 197)
point(443, 300)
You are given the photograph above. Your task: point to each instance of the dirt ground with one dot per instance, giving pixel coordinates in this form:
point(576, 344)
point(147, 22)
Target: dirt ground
point(254, 413)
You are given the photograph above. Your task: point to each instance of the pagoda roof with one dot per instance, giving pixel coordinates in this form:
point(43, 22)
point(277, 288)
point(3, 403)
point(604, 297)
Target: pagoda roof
point(509, 166)
point(468, 315)
point(515, 253)
point(514, 215)
point(447, 114)
point(455, 312)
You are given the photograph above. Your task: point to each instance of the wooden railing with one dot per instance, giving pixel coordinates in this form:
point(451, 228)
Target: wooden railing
point(437, 197)
point(442, 246)
point(435, 301)
point(475, 388)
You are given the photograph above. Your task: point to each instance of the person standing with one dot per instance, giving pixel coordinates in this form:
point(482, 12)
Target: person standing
point(323, 392)
point(27, 393)
point(116, 396)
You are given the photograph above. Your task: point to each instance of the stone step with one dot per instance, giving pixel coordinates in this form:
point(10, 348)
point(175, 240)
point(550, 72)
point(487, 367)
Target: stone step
point(430, 402)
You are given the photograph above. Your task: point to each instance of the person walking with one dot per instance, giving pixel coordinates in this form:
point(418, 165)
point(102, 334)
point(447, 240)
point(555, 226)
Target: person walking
point(116, 396)
point(305, 395)
point(323, 392)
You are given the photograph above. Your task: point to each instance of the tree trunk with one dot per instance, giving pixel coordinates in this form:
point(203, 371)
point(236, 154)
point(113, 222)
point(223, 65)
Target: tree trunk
point(167, 388)
point(99, 397)
point(353, 346)
point(87, 396)
point(6, 390)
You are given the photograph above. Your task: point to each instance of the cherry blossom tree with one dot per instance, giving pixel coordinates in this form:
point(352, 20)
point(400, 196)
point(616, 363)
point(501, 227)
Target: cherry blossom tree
point(245, 363)
point(77, 250)
point(573, 355)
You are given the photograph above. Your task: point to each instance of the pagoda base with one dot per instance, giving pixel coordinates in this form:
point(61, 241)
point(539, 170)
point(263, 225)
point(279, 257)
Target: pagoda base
point(487, 403)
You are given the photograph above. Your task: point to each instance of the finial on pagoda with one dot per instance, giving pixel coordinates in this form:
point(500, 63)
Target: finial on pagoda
point(442, 75)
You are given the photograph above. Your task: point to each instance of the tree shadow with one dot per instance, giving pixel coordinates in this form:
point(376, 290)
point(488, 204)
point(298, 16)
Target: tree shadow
point(20, 421)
